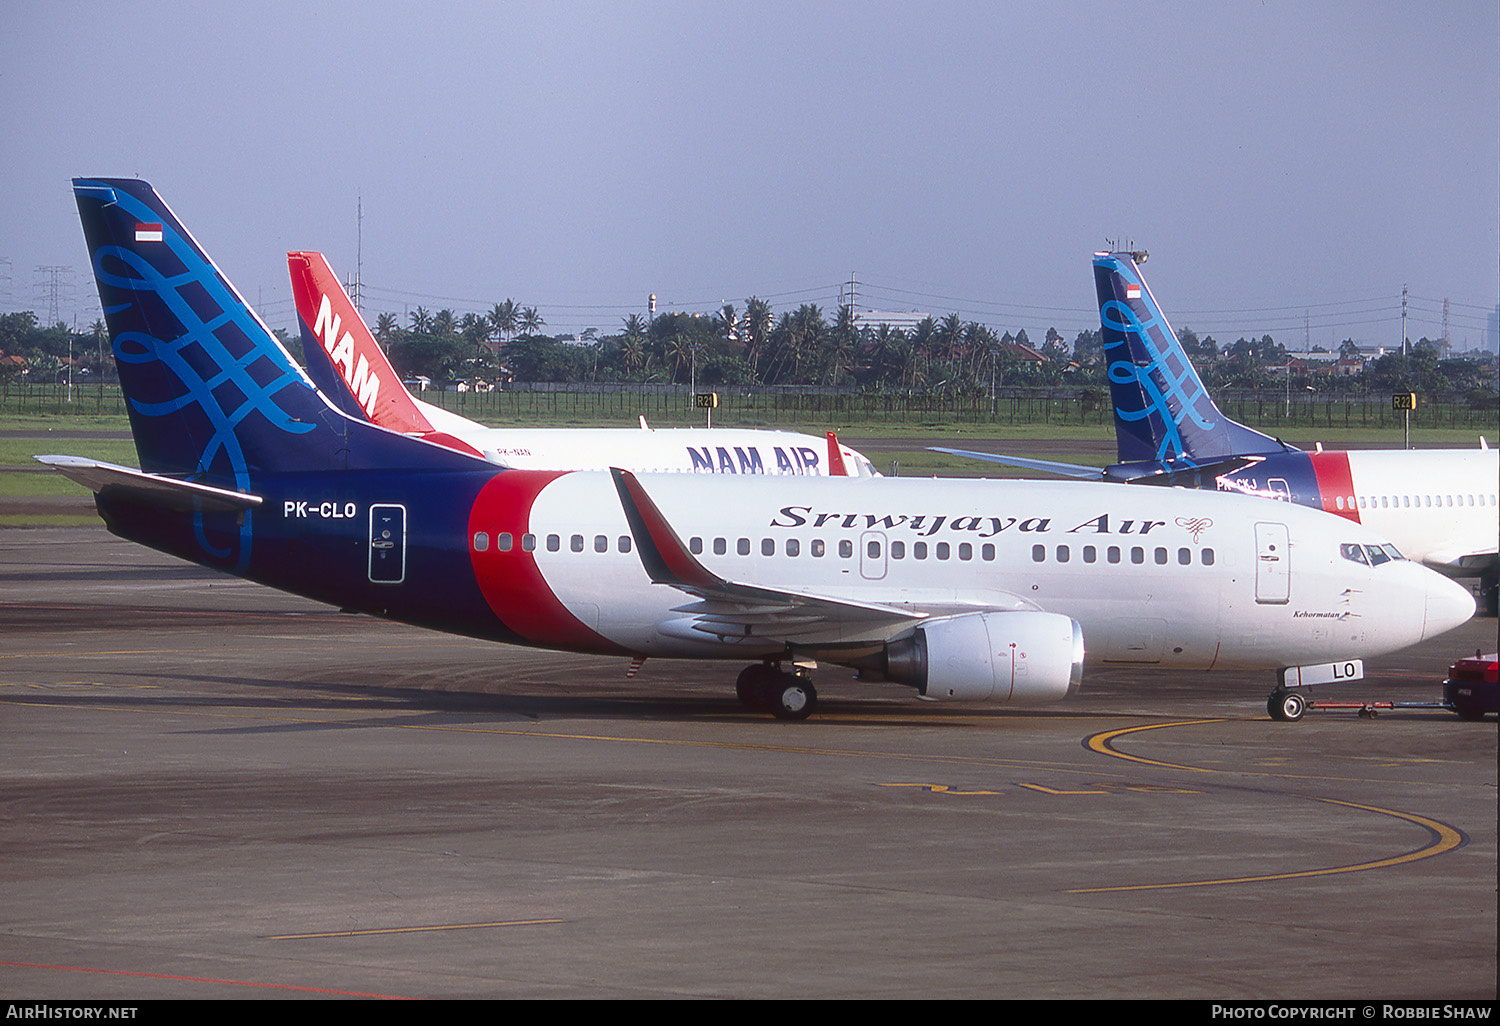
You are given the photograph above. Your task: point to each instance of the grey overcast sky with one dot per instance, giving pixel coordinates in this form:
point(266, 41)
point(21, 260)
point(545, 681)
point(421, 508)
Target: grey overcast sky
point(1289, 164)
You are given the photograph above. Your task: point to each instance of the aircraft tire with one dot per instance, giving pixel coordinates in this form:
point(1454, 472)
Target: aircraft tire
point(1286, 706)
point(792, 697)
point(754, 685)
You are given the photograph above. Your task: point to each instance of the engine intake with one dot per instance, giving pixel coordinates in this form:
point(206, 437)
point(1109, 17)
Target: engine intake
point(1016, 656)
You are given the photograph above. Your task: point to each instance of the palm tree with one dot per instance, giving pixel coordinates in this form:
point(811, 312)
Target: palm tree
point(421, 321)
point(755, 328)
point(726, 323)
point(922, 346)
point(633, 354)
point(531, 322)
point(678, 351)
point(841, 346)
point(946, 340)
point(386, 327)
point(502, 318)
point(474, 329)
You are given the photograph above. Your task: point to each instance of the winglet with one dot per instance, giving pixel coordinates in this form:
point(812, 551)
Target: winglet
point(836, 467)
point(666, 559)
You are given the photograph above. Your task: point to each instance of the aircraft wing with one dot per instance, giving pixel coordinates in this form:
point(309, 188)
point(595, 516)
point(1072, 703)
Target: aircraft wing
point(1461, 563)
point(729, 609)
point(1050, 466)
point(153, 489)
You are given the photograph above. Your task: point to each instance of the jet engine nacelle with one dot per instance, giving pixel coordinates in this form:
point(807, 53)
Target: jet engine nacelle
point(991, 657)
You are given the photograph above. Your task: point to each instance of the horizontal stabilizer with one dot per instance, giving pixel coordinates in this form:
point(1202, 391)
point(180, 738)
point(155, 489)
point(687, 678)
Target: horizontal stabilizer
point(149, 489)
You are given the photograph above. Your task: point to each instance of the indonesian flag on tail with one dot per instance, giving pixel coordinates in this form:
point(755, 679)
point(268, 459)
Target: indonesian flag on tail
point(1132, 290)
point(146, 232)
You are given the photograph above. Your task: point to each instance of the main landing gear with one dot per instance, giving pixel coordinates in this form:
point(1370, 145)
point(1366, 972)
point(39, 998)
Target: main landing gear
point(789, 696)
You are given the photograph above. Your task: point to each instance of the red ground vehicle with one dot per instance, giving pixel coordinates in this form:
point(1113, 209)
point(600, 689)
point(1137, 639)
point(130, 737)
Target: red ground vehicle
point(1471, 689)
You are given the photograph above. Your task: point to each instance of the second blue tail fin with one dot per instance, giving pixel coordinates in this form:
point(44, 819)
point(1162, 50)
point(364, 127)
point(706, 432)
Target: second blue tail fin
point(1162, 411)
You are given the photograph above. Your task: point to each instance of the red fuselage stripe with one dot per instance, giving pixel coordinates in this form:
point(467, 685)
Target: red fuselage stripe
point(511, 581)
point(1335, 481)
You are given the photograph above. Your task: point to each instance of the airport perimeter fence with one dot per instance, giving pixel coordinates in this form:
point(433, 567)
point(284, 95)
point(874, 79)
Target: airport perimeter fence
point(669, 406)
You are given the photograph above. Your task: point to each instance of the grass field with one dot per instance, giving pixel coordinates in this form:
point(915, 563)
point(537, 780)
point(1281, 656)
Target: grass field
point(32, 495)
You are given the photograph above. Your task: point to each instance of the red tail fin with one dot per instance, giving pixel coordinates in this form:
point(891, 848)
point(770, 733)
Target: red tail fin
point(342, 354)
point(836, 466)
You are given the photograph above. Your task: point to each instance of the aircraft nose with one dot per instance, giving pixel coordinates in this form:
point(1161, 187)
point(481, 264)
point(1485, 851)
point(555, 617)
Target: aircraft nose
point(1448, 605)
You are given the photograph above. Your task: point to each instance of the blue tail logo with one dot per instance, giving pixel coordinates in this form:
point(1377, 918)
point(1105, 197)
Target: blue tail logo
point(1163, 413)
point(202, 374)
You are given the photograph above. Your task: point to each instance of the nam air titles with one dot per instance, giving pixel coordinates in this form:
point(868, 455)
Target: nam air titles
point(747, 459)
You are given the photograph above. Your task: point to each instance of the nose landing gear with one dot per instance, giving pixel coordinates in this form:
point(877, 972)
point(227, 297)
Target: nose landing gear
point(1286, 706)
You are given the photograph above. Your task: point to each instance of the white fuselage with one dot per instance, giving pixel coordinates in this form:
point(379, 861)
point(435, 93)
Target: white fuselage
point(1173, 577)
point(1439, 506)
point(665, 451)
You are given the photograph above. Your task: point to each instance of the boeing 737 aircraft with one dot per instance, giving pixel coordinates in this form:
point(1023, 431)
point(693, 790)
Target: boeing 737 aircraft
point(352, 371)
point(964, 590)
point(1438, 506)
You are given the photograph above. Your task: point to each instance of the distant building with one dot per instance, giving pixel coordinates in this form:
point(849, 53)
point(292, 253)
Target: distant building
point(902, 321)
point(1023, 353)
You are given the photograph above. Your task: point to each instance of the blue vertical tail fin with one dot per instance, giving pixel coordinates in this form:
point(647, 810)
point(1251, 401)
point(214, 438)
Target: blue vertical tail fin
point(211, 394)
point(1162, 411)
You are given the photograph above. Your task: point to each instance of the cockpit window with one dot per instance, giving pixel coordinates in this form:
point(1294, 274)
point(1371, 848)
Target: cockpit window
point(1370, 555)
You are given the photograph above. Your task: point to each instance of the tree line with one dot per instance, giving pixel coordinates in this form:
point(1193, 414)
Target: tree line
point(754, 345)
